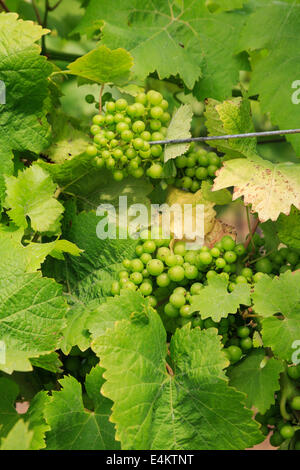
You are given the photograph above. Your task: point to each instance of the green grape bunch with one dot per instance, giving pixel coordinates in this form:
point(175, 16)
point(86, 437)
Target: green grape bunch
point(121, 136)
point(197, 165)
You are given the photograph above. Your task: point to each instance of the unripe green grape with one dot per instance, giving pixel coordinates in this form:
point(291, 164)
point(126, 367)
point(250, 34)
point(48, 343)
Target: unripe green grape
point(138, 173)
point(191, 272)
point(136, 278)
point(119, 117)
point(292, 257)
point(127, 135)
point(146, 136)
point(103, 142)
point(121, 104)
point(284, 252)
point(186, 182)
point(145, 257)
point(146, 288)
point(109, 135)
point(197, 322)
point(155, 171)
point(98, 119)
point(114, 143)
point(203, 160)
point(213, 159)
point(240, 249)
point(130, 153)
point(294, 372)
point(264, 265)
point(177, 300)
point(176, 273)
point(228, 243)
point(105, 154)
point(129, 285)
point(162, 253)
point(155, 125)
point(90, 99)
point(235, 353)
point(181, 161)
point(179, 248)
point(171, 311)
point(194, 186)
point(205, 258)
point(163, 280)
point(138, 127)
point(190, 257)
point(287, 431)
point(220, 263)
point(186, 311)
point(152, 301)
point(109, 119)
point(241, 280)
point(258, 276)
point(295, 403)
point(110, 106)
point(165, 117)
point(247, 273)
point(149, 246)
point(191, 160)
point(230, 257)
point(211, 170)
point(201, 173)
point(139, 109)
point(122, 126)
point(157, 136)
point(170, 260)
point(99, 162)
point(91, 151)
point(155, 267)
point(138, 143)
point(276, 439)
point(145, 155)
point(95, 130)
point(196, 288)
point(156, 150)
point(154, 97)
point(115, 288)
point(243, 331)
point(126, 263)
point(136, 265)
point(246, 344)
point(110, 163)
point(123, 160)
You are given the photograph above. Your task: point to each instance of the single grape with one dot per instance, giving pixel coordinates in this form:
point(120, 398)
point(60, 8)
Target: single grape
point(155, 267)
point(177, 300)
point(163, 280)
point(136, 278)
point(287, 431)
point(176, 273)
point(196, 288)
point(295, 403)
point(136, 265)
point(235, 353)
point(149, 246)
point(243, 331)
point(246, 344)
point(145, 288)
point(264, 265)
point(115, 288)
point(171, 311)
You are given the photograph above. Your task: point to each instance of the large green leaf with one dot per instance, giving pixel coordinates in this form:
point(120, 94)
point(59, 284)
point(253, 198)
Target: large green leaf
point(279, 296)
point(190, 407)
point(32, 310)
point(90, 275)
point(31, 194)
point(103, 65)
point(23, 123)
point(216, 302)
point(258, 377)
point(72, 426)
point(288, 228)
point(275, 27)
point(172, 38)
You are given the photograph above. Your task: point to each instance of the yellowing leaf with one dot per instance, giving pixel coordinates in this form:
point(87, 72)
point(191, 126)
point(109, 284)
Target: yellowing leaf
point(270, 188)
point(179, 128)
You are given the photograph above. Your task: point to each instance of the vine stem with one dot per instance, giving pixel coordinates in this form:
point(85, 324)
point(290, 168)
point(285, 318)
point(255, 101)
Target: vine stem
point(100, 98)
point(37, 13)
point(3, 5)
point(251, 230)
point(169, 369)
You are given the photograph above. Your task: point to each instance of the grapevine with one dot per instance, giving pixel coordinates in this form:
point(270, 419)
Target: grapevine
point(149, 226)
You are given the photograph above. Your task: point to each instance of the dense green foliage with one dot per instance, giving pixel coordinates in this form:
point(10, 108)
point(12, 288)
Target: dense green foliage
point(143, 342)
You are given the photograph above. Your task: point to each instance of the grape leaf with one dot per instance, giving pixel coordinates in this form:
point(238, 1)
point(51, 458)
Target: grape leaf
point(275, 27)
point(92, 186)
point(32, 310)
point(37, 252)
point(271, 240)
point(72, 426)
point(67, 140)
point(34, 416)
point(226, 5)
point(270, 188)
point(219, 198)
point(76, 332)
point(155, 410)
point(230, 117)
point(223, 301)
point(50, 362)
point(258, 377)
point(89, 276)
point(115, 309)
point(172, 38)
point(31, 194)
point(103, 65)
point(279, 296)
point(19, 438)
point(288, 228)
point(23, 123)
point(179, 128)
